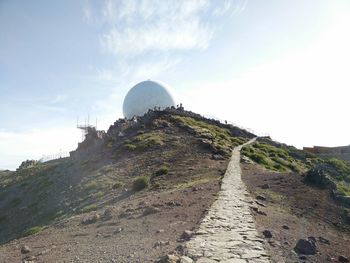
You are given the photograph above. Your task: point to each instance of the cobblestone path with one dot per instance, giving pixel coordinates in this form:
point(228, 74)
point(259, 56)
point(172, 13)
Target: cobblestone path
point(227, 233)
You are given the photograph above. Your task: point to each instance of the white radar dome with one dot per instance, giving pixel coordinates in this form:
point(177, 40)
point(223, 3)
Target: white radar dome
point(146, 95)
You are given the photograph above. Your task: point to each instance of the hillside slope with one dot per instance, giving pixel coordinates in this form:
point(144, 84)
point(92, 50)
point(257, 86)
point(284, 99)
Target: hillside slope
point(86, 208)
point(291, 207)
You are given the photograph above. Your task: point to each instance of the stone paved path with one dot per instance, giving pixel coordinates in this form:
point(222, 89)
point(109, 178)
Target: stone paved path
point(227, 233)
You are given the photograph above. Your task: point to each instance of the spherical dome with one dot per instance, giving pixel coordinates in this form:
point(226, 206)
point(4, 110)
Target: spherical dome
point(146, 95)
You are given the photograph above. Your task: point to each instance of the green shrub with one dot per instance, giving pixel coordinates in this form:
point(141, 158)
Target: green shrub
point(3, 219)
point(140, 183)
point(99, 194)
point(32, 231)
point(260, 159)
point(110, 143)
point(162, 170)
point(15, 201)
point(130, 146)
point(343, 189)
point(88, 208)
point(117, 185)
point(342, 168)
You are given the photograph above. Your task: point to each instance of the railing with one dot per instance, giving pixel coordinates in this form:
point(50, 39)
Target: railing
point(261, 134)
point(50, 157)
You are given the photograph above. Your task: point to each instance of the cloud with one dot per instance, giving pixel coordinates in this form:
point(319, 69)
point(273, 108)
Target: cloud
point(231, 7)
point(300, 97)
point(138, 27)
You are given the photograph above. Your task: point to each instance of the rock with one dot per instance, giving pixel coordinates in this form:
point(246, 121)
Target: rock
point(342, 199)
point(90, 219)
point(186, 235)
point(261, 197)
point(160, 231)
point(329, 258)
point(261, 204)
point(261, 213)
point(161, 243)
point(302, 257)
point(125, 214)
point(206, 260)
point(218, 157)
point(29, 259)
point(343, 259)
point(172, 203)
point(150, 210)
point(109, 212)
point(312, 239)
point(181, 249)
point(267, 233)
point(265, 186)
point(324, 241)
point(285, 227)
point(320, 175)
point(254, 208)
point(168, 259)
point(245, 159)
point(195, 189)
point(185, 259)
point(25, 249)
point(118, 230)
point(306, 247)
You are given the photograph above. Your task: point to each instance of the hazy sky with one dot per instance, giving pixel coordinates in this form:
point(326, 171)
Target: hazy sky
point(279, 67)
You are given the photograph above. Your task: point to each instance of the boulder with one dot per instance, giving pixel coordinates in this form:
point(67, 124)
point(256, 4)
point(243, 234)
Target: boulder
point(320, 175)
point(90, 219)
point(267, 233)
point(185, 259)
point(150, 210)
point(343, 259)
point(168, 259)
point(261, 198)
point(186, 235)
point(324, 241)
point(305, 247)
point(25, 249)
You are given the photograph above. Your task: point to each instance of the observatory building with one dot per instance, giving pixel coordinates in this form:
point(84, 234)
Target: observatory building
point(146, 95)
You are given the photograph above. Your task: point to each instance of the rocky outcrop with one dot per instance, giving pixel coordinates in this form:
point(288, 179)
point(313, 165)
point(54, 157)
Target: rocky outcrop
point(27, 164)
point(305, 247)
point(320, 175)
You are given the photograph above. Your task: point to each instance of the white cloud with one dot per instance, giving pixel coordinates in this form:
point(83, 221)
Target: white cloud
point(163, 36)
point(155, 26)
point(300, 98)
point(230, 7)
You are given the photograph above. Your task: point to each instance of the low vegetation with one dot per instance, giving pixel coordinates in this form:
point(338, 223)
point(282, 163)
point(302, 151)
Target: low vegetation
point(144, 141)
point(164, 169)
point(282, 158)
point(219, 139)
point(342, 168)
point(117, 185)
point(343, 189)
point(88, 208)
point(274, 158)
point(32, 230)
point(140, 183)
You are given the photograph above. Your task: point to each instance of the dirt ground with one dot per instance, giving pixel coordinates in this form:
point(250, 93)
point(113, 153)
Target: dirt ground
point(292, 211)
point(127, 234)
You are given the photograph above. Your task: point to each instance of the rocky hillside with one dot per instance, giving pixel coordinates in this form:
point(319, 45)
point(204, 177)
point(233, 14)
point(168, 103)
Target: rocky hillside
point(136, 193)
point(301, 202)
point(138, 187)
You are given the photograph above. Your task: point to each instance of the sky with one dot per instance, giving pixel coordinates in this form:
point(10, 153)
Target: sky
point(276, 67)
